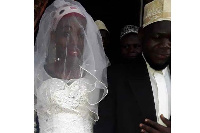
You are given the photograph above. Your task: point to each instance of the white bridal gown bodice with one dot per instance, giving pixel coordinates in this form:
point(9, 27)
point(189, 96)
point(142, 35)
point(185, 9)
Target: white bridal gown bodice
point(62, 106)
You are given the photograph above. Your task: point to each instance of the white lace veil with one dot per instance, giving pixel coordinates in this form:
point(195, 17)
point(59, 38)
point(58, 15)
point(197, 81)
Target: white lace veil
point(69, 46)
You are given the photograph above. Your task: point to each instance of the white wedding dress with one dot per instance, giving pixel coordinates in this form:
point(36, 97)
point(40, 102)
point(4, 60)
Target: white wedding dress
point(62, 106)
point(68, 106)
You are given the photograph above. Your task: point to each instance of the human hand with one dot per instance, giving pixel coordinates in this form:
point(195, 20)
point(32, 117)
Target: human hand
point(154, 127)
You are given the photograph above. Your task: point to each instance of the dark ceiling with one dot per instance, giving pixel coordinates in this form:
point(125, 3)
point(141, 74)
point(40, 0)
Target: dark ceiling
point(114, 14)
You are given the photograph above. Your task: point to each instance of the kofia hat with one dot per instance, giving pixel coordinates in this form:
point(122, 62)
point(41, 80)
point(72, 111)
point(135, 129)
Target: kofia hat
point(129, 29)
point(157, 10)
point(101, 25)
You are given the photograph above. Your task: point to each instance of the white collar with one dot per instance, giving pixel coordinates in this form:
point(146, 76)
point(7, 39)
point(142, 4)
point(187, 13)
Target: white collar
point(152, 71)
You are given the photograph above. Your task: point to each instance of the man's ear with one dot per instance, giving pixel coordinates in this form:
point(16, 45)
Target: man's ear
point(141, 33)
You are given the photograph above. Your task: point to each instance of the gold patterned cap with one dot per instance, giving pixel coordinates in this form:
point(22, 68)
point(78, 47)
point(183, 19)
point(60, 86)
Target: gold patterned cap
point(157, 10)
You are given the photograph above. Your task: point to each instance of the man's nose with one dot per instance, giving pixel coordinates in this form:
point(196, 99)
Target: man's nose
point(166, 43)
point(74, 40)
point(132, 48)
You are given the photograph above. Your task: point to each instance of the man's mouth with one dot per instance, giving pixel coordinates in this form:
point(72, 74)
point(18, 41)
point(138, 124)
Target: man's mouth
point(73, 53)
point(162, 56)
point(133, 54)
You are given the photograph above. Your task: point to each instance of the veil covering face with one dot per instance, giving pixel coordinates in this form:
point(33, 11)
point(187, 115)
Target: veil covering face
point(69, 47)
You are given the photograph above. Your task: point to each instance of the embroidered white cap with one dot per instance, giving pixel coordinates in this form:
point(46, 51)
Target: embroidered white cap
point(157, 10)
point(129, 29)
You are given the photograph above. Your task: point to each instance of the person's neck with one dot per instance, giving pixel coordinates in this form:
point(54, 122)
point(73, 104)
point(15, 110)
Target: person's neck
point(56, 70)
point(147, 63)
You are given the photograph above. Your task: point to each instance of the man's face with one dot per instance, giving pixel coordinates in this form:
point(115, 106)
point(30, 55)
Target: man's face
point(130, 46)
point(157, 44)
point(69, 37)
point(69, 40)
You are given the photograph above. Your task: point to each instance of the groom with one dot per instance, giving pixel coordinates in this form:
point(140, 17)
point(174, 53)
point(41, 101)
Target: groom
point(139, 94)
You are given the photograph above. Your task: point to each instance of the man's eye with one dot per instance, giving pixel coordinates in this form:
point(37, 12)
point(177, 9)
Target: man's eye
point(156, 36)
point(66, 34)
point(137, 45)
point(82, 35)
point(126, 46)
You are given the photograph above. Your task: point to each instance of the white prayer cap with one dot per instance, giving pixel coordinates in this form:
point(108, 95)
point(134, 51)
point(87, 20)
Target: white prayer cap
point(101, 25)
point(157, 10)
point(129, 29)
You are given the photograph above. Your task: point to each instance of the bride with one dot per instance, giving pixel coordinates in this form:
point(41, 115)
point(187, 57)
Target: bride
point(70, 69)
